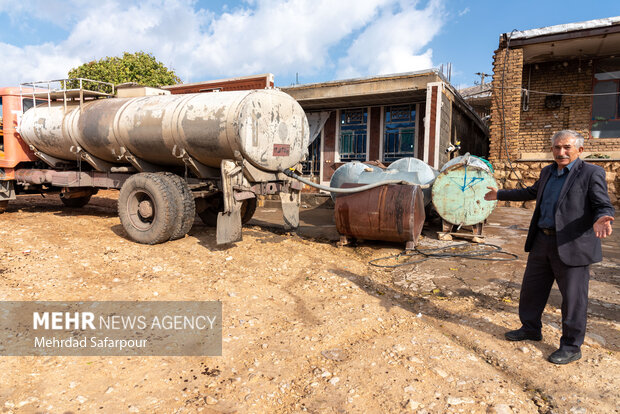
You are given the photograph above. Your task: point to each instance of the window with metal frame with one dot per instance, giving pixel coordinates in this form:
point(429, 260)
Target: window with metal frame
point(606, 99)
point(399, 132)
point(353, 131)
point(312, 166)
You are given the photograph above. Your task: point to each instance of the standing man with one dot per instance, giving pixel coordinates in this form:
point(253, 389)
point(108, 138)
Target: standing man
point(573, 212)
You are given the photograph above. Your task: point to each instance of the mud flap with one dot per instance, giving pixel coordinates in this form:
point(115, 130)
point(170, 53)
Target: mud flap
point(229, 221)
point(290, 209)
point(229, 227)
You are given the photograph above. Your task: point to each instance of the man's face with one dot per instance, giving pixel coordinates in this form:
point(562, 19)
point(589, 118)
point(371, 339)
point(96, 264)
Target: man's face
point(565, 151)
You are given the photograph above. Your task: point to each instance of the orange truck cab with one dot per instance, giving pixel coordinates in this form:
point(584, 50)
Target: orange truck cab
point(13, 150)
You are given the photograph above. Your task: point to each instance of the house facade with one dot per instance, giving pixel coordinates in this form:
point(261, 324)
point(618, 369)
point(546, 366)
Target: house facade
point(554, 78)
point(385, 118)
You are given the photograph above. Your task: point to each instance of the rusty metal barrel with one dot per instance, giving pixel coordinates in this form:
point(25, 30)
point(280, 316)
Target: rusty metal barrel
point(393, 212)
point(268, 128)
point(459, 189)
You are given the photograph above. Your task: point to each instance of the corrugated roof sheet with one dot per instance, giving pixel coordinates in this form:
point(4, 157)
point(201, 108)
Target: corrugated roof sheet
point(478, 90)
point(565, 28)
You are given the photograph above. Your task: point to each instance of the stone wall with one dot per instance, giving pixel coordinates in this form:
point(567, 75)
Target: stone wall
point(529, 171)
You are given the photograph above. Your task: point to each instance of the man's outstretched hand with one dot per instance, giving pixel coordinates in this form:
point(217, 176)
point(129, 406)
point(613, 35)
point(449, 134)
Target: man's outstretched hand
point(602, 227)
point(491, 195)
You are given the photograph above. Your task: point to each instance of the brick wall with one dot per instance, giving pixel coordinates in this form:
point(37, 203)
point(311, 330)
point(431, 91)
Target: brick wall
point(538, 123)
point(374, 117)
point(529, 128)
point(506, 104)
point(329, 146)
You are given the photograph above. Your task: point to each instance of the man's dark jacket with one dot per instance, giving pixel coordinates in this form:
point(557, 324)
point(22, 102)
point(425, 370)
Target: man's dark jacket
point(583, 200)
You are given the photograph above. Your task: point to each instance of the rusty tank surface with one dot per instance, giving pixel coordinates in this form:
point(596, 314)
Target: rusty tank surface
point(393, 213)
point(268, 128)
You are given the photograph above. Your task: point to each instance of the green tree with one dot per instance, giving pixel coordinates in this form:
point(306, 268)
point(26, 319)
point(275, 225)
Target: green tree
point(139, 67)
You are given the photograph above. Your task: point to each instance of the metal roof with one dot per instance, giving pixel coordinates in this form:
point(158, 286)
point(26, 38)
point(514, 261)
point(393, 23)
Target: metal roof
point(477, 91)
point(582, 40)
point(565, 28)
point(433, 71)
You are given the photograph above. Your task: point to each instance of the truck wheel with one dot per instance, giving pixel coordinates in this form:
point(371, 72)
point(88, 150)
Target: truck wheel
point(75, 202)
point(185, 205)
point(209, 208)
point(215, 204)
point(147, 207)
point(3, 205)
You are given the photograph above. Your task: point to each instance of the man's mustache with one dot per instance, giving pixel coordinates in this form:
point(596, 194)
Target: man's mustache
point(562, 157)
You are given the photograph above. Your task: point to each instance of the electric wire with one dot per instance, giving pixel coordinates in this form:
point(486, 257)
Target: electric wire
point(443, 252)
point(570, 94)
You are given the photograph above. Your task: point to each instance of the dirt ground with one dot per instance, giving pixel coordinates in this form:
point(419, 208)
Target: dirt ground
point(308, 326)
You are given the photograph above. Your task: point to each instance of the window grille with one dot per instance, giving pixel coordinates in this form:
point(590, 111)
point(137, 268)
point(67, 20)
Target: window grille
point(353, 131)
point(399, 132)
point(312, 166)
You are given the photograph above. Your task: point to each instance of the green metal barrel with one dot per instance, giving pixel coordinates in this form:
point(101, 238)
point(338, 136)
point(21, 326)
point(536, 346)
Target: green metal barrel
point(459, 189)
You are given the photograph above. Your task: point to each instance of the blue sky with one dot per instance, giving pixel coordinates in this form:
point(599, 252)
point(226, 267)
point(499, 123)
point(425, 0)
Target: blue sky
point(319, 39)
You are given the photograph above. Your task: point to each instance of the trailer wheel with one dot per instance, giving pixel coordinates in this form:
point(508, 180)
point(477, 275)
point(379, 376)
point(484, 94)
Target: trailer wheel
point(185, 205)
point(75, 202)
point(215, 204)
point(248, 208)
point(3, 205)
point(147, 207)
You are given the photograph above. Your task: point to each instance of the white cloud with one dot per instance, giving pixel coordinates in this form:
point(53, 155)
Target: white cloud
point(254, 36)
point(394, 42)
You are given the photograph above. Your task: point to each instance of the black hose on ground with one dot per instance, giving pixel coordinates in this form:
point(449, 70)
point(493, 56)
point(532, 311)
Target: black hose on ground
point(442, 253)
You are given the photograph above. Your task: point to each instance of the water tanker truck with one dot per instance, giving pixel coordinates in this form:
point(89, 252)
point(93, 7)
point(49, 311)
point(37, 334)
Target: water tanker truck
point(171, 156)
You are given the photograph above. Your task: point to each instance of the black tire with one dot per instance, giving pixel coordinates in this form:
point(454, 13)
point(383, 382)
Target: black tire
point(185, 205)
point(75, 202)
point(248, 208)
point(147, 207)
point(3, 205)
point(215, 204)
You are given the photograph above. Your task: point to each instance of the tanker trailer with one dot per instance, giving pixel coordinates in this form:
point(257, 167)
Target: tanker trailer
point(171, 156)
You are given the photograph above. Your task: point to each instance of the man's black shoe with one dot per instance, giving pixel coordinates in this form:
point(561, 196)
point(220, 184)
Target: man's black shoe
point(562, 356)
point(522, 335)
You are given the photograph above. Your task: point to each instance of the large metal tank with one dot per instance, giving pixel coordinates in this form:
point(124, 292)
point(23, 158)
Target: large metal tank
point(408, 169)
point(266, 127)
point(459, 189)
point(411, 170)
point(350, 173)
point(392, 212)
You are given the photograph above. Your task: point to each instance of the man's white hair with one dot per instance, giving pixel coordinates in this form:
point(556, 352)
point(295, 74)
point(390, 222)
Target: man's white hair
point(568, 132)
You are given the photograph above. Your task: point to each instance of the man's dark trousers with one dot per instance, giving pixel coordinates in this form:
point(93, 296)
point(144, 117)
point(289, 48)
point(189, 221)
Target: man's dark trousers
point(543, 267)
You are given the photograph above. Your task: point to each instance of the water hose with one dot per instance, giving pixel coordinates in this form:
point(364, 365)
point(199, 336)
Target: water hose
point(291, 173)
